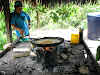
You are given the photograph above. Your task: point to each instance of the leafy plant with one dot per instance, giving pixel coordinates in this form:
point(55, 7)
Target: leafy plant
point(54, 16)
point(64, 16)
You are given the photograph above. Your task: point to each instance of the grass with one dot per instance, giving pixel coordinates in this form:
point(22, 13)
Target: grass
point(65, 16)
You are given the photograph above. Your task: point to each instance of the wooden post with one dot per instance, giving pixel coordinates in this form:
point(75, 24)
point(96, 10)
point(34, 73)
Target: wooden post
point(37, 12)
point(7, 19)
point(60, 2)
point(38, 19)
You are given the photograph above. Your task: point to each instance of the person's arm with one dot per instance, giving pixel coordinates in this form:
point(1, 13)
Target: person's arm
point(13, 24)
point(28, 18)
point(16, 28)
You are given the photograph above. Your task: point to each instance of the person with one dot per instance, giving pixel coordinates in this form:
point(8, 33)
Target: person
point(20, 21)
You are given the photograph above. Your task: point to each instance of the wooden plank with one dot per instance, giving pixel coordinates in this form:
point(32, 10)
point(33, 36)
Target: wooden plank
point(93, 61)
point(92, 44)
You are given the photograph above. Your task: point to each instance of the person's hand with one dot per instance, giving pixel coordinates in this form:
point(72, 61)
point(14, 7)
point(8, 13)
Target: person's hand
point(21, 31)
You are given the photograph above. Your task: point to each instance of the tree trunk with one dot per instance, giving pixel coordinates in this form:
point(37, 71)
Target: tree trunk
point(0, 5)
point(7, 19)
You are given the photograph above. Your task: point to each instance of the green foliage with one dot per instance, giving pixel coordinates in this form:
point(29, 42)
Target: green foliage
point(40, 8)
point(2, 23)
point(64, 16)
point(3, 39)
point(54, 16)
point(12, 6)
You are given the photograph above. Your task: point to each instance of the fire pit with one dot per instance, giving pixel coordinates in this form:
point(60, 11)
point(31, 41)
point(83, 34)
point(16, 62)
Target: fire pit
point(47, 50)
point(63, 58)
point(54, 54)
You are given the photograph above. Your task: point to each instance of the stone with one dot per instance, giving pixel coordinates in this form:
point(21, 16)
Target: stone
point(32, 54)
point(8, 45)
point(1, 51)
point(20, 52)
point(84, 70)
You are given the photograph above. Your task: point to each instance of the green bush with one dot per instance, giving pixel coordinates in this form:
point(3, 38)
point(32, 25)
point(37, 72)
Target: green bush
point(3, 39)
point(64, 16)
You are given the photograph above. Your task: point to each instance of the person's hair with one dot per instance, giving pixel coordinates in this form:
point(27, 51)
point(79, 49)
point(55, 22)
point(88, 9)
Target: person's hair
point(18, 4)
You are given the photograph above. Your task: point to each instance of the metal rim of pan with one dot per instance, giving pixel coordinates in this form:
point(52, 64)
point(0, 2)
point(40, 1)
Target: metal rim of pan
point(61, 40)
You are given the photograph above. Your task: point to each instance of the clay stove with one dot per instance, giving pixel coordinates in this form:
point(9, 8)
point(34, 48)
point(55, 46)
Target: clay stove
point(60, 56)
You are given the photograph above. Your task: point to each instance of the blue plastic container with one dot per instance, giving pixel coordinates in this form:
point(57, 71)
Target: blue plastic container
point(93, 25)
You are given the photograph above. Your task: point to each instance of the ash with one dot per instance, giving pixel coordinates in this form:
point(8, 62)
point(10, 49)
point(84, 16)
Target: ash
point(65, 59)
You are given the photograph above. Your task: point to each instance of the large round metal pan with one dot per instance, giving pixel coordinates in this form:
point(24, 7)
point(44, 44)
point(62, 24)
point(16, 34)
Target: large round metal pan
point(47, 41)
